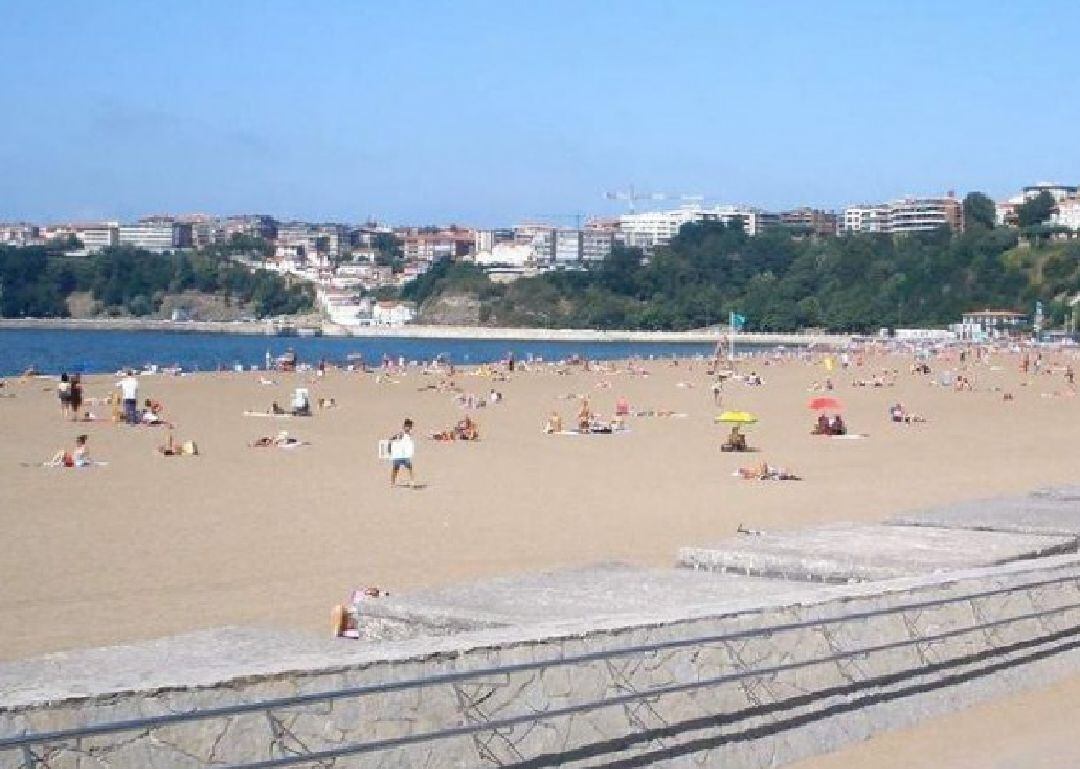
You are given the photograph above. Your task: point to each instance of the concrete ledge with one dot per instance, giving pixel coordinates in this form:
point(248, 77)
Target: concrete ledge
point(1054, 510)
point(605, 591)
point(840, 553)
point(933, 653)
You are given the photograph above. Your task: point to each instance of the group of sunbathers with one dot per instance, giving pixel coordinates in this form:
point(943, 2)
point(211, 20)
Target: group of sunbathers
point(826, 425)
point(465, 430)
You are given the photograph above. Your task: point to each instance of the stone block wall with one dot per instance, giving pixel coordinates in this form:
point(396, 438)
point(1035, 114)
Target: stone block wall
point(853, 661)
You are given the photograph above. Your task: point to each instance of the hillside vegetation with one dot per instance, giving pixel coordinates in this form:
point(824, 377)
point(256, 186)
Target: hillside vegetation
point(780, 281)
point(39, 282)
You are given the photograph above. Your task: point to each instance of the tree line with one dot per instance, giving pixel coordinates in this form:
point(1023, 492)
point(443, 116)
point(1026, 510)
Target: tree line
point(37, 281)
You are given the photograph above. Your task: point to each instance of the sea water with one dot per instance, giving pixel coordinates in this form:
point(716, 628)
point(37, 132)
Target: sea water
point(53, 351)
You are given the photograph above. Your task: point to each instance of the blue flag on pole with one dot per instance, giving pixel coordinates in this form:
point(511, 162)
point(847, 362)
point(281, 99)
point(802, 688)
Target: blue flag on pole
point(737, 321)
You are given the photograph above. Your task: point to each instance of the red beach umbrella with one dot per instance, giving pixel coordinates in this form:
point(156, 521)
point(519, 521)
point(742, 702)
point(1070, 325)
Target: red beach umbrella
point(825, 403)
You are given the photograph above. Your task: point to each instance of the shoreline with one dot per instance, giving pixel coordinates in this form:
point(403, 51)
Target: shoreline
point(265, 328)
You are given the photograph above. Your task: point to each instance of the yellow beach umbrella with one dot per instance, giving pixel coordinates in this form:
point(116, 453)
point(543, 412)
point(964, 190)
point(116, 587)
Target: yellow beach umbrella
point(737, 417)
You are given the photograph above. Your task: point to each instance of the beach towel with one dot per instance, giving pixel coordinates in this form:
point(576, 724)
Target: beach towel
point(849, 437)
point(267, 414)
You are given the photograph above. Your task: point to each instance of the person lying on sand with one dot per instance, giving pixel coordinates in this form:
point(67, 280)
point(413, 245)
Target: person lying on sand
point(344, 618)
point(766, 472)
point(897, 413)
point(281, 441)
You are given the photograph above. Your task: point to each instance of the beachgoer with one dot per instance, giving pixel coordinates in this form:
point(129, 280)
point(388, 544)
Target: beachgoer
point(736, 441)
point(553, 424)
point(76, 396)
point(402, 449)
point(822, 426)
point(81, 456)
point(837, 426)
point(63, 391)
point(584, 416)
point(301, 405)
point(467, 430)
point(129, 389)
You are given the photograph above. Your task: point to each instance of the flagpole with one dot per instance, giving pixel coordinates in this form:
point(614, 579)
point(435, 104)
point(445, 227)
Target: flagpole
point(731, 336)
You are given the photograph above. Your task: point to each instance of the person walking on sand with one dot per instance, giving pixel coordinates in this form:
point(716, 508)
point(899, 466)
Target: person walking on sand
point(129, 389)
point(402, 449)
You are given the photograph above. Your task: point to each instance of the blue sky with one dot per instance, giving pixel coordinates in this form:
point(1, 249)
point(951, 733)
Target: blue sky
point(487, 112)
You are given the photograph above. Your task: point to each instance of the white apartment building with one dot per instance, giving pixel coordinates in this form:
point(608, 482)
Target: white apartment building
point(20, 235)
point(872, 218)
point(649, 229)
point(315, 243)
point(155, 237)
point(1067, 214)
point(95, 237)
point(1058, 192)
point(540, 237)
point(596, 245)
point(567, 247)
point(904, 215)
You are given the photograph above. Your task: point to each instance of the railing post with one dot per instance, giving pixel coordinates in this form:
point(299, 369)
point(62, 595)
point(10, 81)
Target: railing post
point(29, 762)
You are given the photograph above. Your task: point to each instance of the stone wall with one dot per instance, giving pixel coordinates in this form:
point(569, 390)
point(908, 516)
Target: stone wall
point(923, 653)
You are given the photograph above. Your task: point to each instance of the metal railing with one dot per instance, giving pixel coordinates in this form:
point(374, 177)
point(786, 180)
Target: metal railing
point(26, 742)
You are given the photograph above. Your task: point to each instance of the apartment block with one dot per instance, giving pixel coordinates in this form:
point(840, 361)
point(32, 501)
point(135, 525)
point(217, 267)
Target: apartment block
point(905, 215)
point(317, 243)
point(157, 237)
point(650, 229)
point(430, 245)
point(540, 237)
point(95, 237)
point(568, 247)
point(811, 220)
point(596, 244)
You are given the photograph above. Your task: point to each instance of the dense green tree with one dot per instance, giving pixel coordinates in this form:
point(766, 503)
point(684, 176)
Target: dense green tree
point(979, 211)
point(1037, 210)
point(37, 281)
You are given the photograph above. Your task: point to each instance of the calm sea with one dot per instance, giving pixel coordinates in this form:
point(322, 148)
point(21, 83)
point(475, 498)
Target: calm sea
point(108, 351)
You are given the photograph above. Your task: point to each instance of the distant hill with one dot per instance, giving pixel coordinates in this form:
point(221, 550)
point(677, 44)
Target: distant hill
point(39, 282)
point(779, 280)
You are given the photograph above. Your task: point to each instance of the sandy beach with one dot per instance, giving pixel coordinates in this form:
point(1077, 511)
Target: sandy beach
point(149, 545)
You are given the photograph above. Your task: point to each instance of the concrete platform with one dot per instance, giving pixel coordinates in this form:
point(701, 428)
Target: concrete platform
point(603, 591)
point(861, 552)
point(1053, 510)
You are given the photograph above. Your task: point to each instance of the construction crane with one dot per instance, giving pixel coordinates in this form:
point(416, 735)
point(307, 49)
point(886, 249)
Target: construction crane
point(631, 196)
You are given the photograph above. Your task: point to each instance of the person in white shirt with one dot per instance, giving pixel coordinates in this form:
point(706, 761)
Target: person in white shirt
point(401, 453)
point(129, 390)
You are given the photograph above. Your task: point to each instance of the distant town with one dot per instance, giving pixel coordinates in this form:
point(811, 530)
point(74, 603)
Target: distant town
point(349, 264)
